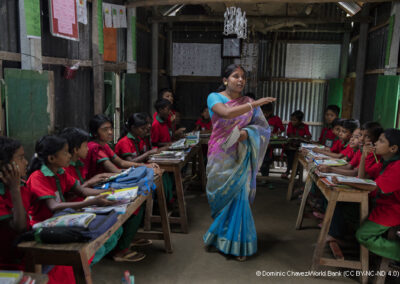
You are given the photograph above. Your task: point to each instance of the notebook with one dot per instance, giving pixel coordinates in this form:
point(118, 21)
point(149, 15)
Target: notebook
point(231, 139)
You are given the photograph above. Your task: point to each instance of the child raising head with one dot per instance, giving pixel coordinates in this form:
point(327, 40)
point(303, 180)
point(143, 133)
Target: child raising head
point(161, 131)
point(204, 121)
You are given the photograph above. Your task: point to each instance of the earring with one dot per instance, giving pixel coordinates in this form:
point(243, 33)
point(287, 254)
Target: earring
point(225, 83)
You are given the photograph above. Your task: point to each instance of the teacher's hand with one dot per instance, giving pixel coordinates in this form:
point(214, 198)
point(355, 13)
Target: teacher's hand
point(243, 135)
point(263, 101)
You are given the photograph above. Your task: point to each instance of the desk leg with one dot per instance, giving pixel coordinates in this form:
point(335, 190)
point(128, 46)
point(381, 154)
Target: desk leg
point(82, 270)
point(307, 189)
point(149, 211)
point(319, 249)
point(162, 205)
point(292, 176)
point(202, 169)
point(181, 200)
point(363, 250)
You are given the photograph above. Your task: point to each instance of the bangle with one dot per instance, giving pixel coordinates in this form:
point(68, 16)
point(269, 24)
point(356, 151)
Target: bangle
point(251, 107)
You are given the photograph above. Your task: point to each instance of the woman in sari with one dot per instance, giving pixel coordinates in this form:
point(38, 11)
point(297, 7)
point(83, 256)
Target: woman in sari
point(232, 171)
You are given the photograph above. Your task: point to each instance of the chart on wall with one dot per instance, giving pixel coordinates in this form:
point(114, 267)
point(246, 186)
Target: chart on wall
point(314, 61)
point(63, 19)
point(196, 59)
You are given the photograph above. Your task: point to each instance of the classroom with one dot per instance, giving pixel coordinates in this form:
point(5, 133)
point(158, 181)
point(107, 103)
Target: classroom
point(199, 141)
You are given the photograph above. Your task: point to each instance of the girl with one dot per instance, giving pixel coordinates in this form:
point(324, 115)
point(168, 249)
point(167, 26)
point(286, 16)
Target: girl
point(298, 130)
point(385, 198)
point(204, 122)
point(134, 146)
point(101, 158)
point(327, 136)
point(48, 184)
point(14, 202)
point(231, 172)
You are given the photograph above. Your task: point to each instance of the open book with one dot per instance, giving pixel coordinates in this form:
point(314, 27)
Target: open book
point(331, 163)
point(231, 139)
point(311, 146)
point(365, 184)
point(70, 220)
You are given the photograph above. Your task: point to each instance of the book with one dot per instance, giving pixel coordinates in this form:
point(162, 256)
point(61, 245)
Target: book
point(311, 146)
point(120, 209)
point(331, 162)
point(124, 195)
point(70, 220)
point(168, 155)
point(10, 276)
point(353, 180)
point(231, 139)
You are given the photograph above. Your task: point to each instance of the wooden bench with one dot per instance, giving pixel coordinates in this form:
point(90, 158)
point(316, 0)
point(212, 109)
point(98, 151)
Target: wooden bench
point(334, 195)
point(175, 167)
point(77, 255)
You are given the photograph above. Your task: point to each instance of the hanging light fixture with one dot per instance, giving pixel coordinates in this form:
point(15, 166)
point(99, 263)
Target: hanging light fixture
point(235, 22)
point(351, 8)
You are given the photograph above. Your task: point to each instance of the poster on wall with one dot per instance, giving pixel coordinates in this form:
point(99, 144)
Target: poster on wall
point(82, 11)
point(63, 19)
point(32, 18)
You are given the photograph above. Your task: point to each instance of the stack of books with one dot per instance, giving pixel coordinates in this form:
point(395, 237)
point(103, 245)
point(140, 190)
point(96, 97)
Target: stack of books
point(168, 156)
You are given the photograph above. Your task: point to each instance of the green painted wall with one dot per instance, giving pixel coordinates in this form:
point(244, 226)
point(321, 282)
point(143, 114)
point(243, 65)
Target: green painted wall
point(335, 93)
point(387, 100)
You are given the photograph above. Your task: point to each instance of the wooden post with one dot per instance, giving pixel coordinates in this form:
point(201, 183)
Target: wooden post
point(31, 48)
point(169, 48)
point(344, 55)
point(154, 65)
point(131, 66)
point(2, 117)
point(97, 59)
point(360, 66)
point(391, 67)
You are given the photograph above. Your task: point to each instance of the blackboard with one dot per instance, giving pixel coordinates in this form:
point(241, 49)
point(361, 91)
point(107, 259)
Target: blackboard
point(196, 59)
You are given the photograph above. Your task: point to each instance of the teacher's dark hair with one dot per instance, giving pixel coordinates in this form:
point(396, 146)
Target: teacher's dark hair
point(228, 71)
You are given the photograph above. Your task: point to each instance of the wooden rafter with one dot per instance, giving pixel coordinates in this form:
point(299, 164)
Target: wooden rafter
point(142, 3)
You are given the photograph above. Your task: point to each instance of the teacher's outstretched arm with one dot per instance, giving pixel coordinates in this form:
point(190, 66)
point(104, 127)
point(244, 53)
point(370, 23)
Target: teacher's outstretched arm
point(231, 112)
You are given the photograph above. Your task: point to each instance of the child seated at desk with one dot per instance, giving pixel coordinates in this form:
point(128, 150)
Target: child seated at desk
point(328, 136)
point(101, 158)
point(204, 124)
point(385, 199)
point(14, 202)
point(48, 183)
point(346, 132)
point(161, 132)
point(298, 130)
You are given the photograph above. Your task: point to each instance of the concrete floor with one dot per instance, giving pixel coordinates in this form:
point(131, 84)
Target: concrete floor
point(280, 248)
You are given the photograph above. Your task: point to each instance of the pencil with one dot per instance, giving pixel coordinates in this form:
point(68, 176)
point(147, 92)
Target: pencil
point(376, 159)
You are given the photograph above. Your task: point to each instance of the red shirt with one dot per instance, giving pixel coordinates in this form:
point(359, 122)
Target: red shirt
point(43, 185)
point(276, 124)
point(169, 117)
point(10, 257)
point(355, 161)
point(386, 198)
point(131, 146)
point(301, 130)
point(96, 156)
point(160, 131)
point(78, 171)
point(327, 137)
point(204, 125)
point(348, 152)
point(338, 146)
point(372, 168)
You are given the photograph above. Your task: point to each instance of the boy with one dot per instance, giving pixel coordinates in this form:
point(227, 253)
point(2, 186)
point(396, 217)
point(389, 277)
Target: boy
point(327, 136)
point(274, 121)
point(161, 132)
point(385, 198)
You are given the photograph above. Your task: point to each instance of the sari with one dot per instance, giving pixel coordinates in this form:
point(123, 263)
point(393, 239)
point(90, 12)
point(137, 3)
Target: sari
point(231, 184)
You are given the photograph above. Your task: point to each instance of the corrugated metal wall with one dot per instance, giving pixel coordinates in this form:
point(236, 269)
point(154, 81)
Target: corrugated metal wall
point(9, 37)
point(305, 96)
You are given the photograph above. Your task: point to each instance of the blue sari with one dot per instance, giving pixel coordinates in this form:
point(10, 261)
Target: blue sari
point(231, 184)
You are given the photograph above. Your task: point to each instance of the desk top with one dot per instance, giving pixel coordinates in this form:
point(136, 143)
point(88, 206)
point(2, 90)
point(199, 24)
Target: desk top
point(193, 151)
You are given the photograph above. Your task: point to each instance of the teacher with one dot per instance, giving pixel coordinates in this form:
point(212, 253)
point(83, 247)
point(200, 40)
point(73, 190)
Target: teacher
point(231, 173)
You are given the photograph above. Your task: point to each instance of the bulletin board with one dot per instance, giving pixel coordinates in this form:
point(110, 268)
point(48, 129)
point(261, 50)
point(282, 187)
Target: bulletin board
point(312, 61)
point(63, 19)
point(196, 59)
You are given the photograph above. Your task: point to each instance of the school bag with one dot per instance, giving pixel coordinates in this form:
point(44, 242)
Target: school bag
point(142, 177)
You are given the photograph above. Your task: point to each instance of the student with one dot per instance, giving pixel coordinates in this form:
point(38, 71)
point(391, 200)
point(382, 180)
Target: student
point(346, 132)
point(48, 183)
point(134, 147)
point(385, 199)
point(204, 122)
point(78, 148)
point(298, 130)
point(101, 158)
point(327, 136)
point(274, 121)
point(161, 132)
point(14, 202)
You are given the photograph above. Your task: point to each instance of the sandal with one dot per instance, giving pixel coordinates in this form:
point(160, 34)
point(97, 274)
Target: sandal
point(318, 215)
point(131, 256)
point(241, 258)
point(141, 243)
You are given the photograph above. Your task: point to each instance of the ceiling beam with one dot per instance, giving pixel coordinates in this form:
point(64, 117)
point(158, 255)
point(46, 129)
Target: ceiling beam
point(142, 3)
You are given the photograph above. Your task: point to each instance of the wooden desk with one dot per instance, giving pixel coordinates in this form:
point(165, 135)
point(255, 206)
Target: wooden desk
point(334, 195)
point(77, 255)
point(175, 167)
